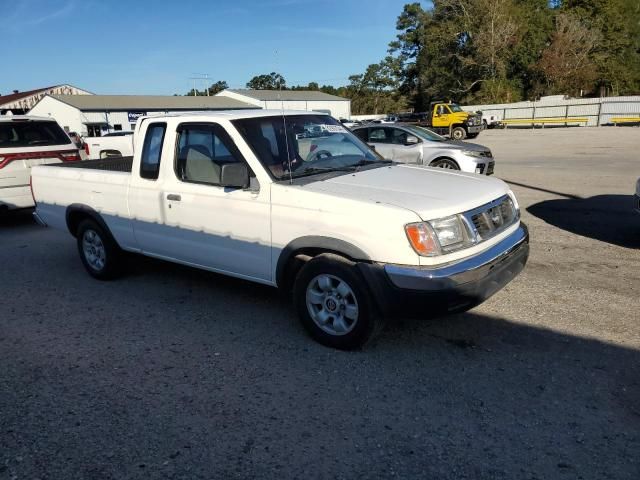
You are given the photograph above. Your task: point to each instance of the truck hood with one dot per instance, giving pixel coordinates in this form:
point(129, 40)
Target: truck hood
point(427, 191)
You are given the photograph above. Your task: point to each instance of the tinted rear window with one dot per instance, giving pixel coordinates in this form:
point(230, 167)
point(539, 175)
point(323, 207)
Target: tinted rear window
point(31, 134)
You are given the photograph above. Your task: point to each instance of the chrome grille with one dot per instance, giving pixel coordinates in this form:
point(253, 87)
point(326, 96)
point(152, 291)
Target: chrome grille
point(492, 218)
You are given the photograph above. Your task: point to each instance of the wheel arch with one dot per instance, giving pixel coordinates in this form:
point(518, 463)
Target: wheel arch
point(78, 212)
point(444, 157)
point(298, 251)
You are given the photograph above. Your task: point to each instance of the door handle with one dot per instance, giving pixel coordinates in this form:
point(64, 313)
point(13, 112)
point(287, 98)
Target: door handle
point(174, 197)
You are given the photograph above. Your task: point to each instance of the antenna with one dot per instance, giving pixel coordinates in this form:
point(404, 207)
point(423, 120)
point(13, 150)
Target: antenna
point(284, 122)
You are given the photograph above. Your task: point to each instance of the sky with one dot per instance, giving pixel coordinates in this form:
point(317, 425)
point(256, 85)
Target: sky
point(154, 47)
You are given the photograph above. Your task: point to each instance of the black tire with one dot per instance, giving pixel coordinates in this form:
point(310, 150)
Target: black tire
point(446, 163)
point(341, 271)
point(458, 133)
point(105, 248)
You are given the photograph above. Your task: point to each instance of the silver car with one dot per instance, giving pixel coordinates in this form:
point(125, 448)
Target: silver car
point(413, 144)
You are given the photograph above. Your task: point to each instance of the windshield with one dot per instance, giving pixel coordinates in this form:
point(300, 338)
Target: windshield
point(310, 144)
point(24, 133)
point(455, 108)
point(425, 133)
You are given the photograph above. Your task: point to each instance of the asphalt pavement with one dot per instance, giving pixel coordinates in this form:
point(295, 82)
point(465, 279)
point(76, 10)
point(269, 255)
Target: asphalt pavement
point(175, 373)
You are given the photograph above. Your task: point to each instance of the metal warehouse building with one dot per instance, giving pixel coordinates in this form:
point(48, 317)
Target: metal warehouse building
point(95, 115)
point(311, 100)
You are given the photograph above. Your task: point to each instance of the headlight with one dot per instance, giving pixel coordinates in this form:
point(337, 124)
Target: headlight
point(473, 153)
point(449, 231)
point(437, 236)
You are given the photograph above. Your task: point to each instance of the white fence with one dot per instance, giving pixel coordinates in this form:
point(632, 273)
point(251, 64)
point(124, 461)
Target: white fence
point(599, 111)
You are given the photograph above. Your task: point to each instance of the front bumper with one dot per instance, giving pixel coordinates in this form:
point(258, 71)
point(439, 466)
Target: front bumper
point(474, 128)
point(428, 291)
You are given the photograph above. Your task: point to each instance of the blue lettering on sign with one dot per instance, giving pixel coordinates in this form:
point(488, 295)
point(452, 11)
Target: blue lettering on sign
point(133, 116)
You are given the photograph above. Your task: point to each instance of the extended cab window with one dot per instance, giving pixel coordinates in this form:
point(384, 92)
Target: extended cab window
point(202, 151)
point(152, 151)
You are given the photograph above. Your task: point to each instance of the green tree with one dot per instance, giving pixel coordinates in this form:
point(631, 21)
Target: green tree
point(271, 81)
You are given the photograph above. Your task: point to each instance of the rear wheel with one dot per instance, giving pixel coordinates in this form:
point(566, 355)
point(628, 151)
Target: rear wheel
point(458, 133)
point(334, 304)
point(100, 255)
point(445, 163)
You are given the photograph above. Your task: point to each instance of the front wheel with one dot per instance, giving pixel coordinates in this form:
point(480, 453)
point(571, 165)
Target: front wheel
point(445, 163)
point(334, 304)
point(458, 133)
point(99, 253)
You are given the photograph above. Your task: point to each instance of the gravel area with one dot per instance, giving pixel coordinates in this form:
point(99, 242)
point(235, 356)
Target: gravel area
point(175, 373)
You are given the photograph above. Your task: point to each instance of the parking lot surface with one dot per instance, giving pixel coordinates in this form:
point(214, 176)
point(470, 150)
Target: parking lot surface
point(171, 372)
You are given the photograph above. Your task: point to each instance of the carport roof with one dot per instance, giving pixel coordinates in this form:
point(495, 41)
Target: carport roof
point(300, 95)
point(150, 102)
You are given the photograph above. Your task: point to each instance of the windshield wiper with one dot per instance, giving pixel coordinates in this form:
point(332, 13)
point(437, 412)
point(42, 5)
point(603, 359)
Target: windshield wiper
point(354, 167)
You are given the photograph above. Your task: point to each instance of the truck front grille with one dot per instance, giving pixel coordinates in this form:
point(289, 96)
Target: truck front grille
point(492, 218)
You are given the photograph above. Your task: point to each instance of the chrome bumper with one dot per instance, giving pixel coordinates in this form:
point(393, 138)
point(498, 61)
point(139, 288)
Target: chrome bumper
point(513, 250)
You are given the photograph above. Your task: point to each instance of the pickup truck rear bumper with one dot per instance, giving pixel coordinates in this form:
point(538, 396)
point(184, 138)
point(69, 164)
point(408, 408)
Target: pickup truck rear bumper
point(426, 291)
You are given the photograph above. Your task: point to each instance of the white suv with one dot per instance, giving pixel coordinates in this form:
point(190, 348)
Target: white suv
point(24, 142)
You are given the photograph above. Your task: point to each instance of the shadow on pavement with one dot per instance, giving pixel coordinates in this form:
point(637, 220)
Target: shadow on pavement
point(16, 219)
point(608, 218)
point(178, 373)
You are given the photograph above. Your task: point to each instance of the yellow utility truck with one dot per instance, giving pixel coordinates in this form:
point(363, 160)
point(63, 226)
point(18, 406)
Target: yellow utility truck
point(447, 118)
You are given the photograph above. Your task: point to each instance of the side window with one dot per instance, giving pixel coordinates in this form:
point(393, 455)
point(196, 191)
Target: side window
point(202, 151)
point(378, 135)
point(398, 137)
point(361, 133)
point(152, 151)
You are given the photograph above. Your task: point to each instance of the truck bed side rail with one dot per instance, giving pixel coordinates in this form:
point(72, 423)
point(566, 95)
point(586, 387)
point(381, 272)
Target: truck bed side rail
point(114, 164)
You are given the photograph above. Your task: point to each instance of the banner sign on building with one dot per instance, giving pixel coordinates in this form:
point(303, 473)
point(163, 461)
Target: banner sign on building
point(133, 116)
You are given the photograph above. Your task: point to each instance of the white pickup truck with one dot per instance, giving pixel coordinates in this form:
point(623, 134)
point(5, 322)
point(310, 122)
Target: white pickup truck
point(296, 201)
point(114, 144)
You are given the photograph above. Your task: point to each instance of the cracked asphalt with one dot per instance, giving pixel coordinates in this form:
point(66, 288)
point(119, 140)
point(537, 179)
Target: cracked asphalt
point(175, 373)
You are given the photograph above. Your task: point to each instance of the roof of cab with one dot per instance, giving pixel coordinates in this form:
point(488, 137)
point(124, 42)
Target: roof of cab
point(235, 114)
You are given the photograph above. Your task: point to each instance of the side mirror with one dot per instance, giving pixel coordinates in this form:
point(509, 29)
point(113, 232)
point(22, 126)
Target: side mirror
point(372, 147)
point(234, 175)
point(411, 140)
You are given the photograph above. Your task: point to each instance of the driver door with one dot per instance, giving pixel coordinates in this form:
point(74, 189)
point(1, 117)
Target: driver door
point(402, 151)
point(381, 141)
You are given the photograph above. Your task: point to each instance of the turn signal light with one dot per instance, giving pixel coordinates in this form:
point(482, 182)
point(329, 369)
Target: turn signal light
point(422, 239)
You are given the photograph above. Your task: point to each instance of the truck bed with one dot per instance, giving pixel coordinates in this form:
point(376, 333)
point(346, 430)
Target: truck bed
point(113, 164)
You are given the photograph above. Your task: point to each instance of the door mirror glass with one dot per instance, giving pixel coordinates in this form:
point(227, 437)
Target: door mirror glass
point(234, 175)
point(411, 140)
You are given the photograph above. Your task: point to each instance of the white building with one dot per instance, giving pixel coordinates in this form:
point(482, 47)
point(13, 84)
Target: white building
point(95, 115)
point(310, 100)
point(18, 103)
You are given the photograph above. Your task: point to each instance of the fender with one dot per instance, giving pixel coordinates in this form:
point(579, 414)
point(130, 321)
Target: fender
point(325, 244)
point(86, 211)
